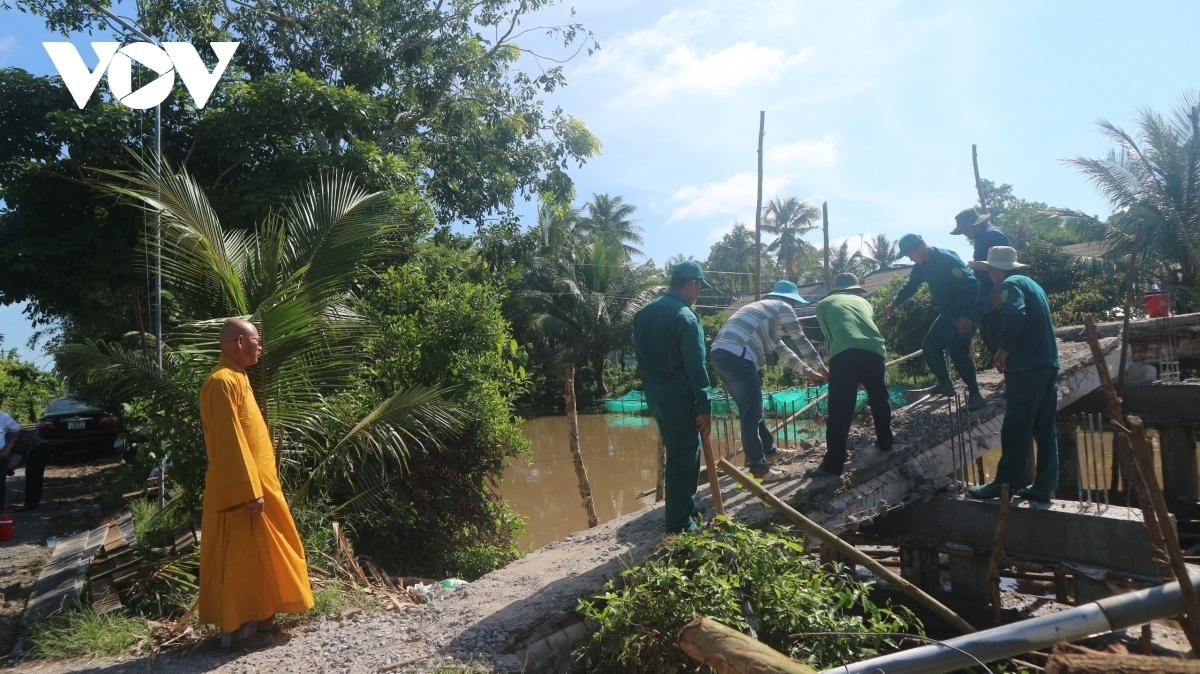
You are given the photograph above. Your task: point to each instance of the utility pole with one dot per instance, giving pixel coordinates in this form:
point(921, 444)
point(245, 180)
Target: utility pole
point(978, 182)
point(762, 123)
point(158, 346)
point(825, 227)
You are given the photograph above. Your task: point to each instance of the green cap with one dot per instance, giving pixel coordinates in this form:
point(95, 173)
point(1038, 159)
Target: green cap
point(689, 269)
point(847, 283)
point(968, 218)
point(908, 242)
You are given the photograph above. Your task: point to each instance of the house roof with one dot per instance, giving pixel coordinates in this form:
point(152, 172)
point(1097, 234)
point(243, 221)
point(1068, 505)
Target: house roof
point(1089, 249)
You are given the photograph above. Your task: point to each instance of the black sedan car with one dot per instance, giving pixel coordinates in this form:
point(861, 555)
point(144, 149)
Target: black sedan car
point(69, 424)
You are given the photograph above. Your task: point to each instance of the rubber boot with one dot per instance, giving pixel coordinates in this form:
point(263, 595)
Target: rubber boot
point(975, 402)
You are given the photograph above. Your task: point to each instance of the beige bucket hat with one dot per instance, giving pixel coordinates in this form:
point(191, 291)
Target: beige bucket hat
point(1000, 257)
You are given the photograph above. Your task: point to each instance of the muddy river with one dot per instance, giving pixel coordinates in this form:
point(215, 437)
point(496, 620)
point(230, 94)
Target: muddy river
point(620, 451)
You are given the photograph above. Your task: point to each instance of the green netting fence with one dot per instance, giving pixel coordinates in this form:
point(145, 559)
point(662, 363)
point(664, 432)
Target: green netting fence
point(775, 403)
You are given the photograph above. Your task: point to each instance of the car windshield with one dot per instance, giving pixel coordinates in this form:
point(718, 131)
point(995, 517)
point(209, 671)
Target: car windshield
point(71, 406)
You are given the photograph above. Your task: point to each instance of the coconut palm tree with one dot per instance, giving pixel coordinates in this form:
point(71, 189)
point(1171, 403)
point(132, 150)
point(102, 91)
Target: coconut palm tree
point(790, 219)
point(1152, 181)
point(734, 258)
point(293, 279)
point(608, 218)
point(843, 261)
point(881, 253)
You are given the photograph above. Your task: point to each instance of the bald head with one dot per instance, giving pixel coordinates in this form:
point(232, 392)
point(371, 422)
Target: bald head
point(239, 342)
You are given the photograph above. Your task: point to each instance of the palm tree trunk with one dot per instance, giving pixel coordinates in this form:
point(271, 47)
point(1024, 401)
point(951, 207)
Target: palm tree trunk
point(598, 366)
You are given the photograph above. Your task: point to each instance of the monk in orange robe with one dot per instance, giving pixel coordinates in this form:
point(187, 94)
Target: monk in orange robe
point(251, 559)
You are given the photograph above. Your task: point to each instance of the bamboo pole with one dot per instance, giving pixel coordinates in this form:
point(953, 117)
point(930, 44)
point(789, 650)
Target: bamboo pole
point(585, 488)
point(817, 401)
point(978, 182)
point(1145, 463)
point(728, 651)
point(830, 539)
point(762, 123)
point(714, 482)
point(998, 552)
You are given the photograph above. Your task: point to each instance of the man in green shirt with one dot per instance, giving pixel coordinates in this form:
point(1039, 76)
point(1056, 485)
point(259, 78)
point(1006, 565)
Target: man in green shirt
point(1028, 359)
point(955, 294)
point(856, 356)
point(669, 343)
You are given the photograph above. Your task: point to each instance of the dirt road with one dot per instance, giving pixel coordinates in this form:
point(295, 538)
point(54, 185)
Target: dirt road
point(70, 503)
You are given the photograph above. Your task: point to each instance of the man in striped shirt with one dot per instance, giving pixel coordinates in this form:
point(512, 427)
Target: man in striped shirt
point(741, 348)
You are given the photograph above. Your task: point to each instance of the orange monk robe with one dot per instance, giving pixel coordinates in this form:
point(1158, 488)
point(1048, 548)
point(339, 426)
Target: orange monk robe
point(251, 566)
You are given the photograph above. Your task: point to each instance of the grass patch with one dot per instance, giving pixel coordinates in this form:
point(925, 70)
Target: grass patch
point(329, 602)
point(87, 633)
point(155, 528)
point(744, 578)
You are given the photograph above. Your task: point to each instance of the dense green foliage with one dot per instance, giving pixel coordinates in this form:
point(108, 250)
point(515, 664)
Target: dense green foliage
point(437, 328)
point(744, 578)
point(25, 390)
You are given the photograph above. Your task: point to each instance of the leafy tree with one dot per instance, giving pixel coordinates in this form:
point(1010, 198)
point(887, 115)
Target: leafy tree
point(1152, 180)
point(881, 253)
point(608, 219)
point(843, 261)
point(25, 390)
point(790, 219)
point(1025, 221)
point(733, 257)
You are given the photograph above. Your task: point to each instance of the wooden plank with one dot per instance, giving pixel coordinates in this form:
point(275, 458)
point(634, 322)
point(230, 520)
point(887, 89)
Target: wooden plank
point(61, 580)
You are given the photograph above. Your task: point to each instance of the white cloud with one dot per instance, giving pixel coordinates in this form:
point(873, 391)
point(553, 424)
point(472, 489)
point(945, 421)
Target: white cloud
point(659, 64)
point(802, 154)
point(735, 196)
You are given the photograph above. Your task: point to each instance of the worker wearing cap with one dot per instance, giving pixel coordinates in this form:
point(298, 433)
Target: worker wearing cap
point(669, 343)
point(955, 294)
point(1028, 359)
point(979, 229)
point(856, 357)
point(741, 348)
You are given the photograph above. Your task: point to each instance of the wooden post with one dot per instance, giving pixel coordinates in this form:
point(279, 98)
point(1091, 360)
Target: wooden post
point(830, 539)
point(978, 182)
point(825, 228)
point(714, 482)
point(998, 552)
point(1145, 463)
point(762, 123)
point(585, 488)
point(728, 651)
point(660, 486)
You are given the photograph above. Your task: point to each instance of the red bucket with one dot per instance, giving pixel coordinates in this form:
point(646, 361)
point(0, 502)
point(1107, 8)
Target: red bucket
point(6, 524)
point(1158, 304)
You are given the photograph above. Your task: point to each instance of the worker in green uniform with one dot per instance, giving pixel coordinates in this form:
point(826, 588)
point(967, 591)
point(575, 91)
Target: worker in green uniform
point(955, 294)
point(1028, 359)
point(669, 343)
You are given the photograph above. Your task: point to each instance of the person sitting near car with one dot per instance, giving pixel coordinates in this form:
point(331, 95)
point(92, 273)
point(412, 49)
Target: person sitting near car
point(11, 430)
point(740, 349)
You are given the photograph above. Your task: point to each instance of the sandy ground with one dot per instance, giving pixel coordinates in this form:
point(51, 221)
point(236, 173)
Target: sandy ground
point(69, 505)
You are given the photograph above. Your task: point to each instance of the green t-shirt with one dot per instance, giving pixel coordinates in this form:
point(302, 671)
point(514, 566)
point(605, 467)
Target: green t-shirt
point(848, 323)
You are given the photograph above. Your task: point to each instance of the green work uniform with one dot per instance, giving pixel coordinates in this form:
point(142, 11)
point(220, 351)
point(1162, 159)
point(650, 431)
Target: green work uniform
point(955, 294)
point(669, 342)
point(1030, 386)
point(849, 323)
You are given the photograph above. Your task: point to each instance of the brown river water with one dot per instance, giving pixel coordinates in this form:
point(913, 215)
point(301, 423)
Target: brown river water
point(620, 452)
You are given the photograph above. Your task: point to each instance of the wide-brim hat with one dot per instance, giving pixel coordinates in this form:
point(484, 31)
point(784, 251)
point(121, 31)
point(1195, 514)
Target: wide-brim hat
point(968, 218)
point(847, 283)
point(1000, 257)
point(786, 290)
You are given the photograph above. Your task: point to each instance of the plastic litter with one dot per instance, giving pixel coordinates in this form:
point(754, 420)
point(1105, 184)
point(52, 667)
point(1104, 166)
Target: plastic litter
point(441, 590)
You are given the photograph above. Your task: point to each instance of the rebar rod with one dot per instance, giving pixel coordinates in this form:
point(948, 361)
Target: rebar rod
point(1075, 437)
point(1103, 472)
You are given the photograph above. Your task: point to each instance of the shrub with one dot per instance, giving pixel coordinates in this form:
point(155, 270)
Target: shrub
point(742, 577)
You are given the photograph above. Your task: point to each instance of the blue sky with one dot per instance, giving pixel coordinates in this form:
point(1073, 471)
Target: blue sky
point(871, 106)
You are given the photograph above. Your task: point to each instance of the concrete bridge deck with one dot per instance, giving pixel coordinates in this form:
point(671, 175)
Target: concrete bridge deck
point(524, 613)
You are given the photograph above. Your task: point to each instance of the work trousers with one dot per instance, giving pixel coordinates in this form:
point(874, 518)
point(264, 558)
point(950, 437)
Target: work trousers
point(677, 428)
point(989, 330)
point(1031, 406)
point(37, 454)
point(742, 381)
point(847, 371)
point(944, 338)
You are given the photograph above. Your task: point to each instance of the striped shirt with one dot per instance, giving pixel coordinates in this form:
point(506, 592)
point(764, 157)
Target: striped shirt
point(761, 326)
